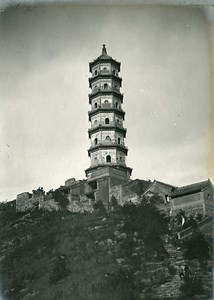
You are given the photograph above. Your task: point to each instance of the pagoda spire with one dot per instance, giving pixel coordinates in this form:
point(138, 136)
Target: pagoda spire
point(104, 51)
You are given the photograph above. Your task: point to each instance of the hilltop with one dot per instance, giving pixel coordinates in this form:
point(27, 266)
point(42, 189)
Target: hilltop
point(129, 253)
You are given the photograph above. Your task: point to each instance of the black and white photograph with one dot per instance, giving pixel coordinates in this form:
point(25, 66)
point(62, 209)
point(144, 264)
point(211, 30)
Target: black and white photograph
point(106, 149)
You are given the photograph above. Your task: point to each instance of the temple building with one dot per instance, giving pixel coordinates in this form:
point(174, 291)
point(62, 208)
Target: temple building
point(107, 134)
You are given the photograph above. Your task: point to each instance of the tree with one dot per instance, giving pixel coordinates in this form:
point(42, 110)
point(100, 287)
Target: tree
point(61, 199)
point(146, 220)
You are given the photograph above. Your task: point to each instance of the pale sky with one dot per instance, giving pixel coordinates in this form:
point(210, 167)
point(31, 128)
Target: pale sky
point(165, 65)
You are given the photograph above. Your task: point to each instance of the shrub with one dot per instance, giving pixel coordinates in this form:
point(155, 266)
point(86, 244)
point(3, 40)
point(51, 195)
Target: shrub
point(191, 286)
point(61, 199)
point(196, 247)
point(145, 219)
point(59, 270)
point(99, 207)
point(114, 203)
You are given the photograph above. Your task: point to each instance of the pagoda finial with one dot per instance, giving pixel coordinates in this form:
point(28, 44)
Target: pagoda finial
point(104, 49)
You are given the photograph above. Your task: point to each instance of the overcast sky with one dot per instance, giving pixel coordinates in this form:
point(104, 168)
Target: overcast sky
point(165, 65)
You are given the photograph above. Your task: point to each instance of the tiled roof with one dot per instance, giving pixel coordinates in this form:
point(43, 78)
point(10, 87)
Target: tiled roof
point(104, 56)
point(161, 183)
point(165, 184)
point(138, 186)
point(189, 189)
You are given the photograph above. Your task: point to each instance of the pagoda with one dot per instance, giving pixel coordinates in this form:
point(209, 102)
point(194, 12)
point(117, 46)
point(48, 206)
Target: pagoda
point(107, 134)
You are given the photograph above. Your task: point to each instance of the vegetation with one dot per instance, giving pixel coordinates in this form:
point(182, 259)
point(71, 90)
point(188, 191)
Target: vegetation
point(197, 247)
point(99, 207)
point(64, 255)
point(61, 199)
point(137, 218)
point(190, 287)
point(7, 213)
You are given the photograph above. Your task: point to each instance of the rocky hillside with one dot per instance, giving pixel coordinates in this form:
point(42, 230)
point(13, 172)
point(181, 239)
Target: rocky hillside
point(127, 254)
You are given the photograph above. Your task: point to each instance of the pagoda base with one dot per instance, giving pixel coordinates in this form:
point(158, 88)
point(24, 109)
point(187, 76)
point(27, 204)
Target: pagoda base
point(102, 178)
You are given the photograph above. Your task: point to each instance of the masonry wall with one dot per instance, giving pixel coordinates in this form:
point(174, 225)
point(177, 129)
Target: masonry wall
point(190, 203)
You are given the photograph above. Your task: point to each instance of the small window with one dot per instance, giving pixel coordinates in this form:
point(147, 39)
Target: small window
point(95, 121)
point(108, 158)
point(118, 121)
point(116, 104)
point(95, 72)
point(106, 86)
point(118, 140)
point(107, 121)
point(95, 104)
point(95, 87)
point(108, 138)
point(104, 68)
point(120, 158)
point(95, 141)
point(114, 72)
point(106, 101)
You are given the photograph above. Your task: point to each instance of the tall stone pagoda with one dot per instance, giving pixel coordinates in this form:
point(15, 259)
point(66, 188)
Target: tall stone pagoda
point(107, 134)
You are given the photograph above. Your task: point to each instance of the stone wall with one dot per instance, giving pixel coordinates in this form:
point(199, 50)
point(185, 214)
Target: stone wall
point(26, 201)
point(50, 205)
point(81, 206)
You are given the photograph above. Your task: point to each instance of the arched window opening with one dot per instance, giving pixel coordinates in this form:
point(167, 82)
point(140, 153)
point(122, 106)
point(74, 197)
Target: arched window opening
point(95, 141)
point(95, 104)
point(116, 104)
point(118, 140)
point(120, 158)
point(106, 86)
point(95, 87)
point(106, 120)
point(108, 138)
point(108, 158)
point(114, 72)
point(106, 101)
point(95, 72)
point(105, 68)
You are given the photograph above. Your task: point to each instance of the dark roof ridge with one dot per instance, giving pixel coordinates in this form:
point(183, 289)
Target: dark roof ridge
point(193, 184)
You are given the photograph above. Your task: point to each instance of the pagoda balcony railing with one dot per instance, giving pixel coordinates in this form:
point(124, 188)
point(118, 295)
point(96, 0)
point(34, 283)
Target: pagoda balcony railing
point(104, 89)
point(106, 105)
point(108, 143)
point(111, 124)
point(105, 72)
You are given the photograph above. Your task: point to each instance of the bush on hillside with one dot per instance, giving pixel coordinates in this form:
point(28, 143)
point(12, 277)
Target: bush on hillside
point(59, 270)
point(8, 213)
point(61, 199)
point(190, 287)
point(196, 247)
point(114, 203)
point(147, 221)
point(99, 207)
